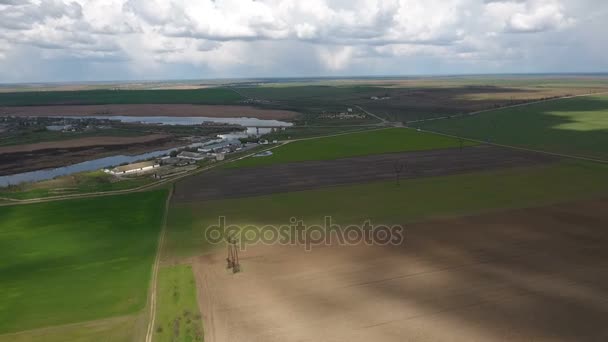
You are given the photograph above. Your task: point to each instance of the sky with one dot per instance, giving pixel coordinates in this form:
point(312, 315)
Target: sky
point(102, 40)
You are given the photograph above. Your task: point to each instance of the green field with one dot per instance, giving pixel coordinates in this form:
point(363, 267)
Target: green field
point(389, 140)
point(32, 136)
point(78, 260)
point(577, 126)
point(385, 202)
point(302, 92)
point(177, 316)
point(101, 97)
point(78, 183)
point(299, 132)
point(116, 329)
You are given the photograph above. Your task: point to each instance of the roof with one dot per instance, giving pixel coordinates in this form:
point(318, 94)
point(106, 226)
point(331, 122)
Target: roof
point(134, 166)
point(187, 154)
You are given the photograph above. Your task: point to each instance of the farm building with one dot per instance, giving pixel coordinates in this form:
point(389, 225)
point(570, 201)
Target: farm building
point(191, 155)
point(225, 146)
point(134, 168)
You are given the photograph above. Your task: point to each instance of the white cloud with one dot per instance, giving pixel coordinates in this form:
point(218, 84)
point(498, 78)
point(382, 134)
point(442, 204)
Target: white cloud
point(529, 17)
point(225, 37)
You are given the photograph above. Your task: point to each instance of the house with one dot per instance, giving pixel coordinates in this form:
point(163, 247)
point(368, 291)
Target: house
point(134, 168)
point(191, 156)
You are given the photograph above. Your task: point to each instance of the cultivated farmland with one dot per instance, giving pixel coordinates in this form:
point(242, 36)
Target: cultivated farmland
point(577, 126)
point(386, 203)
point(102, 97)
point(519, 275)
point(77, 261)
point(356, 144)
point(290, 177)
point(173, 110)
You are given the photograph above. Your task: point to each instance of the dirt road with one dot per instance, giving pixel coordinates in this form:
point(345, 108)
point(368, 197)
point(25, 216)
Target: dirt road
point(536, 274)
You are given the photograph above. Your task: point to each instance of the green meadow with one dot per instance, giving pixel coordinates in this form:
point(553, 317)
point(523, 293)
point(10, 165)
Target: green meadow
point(78, 260)
point(577, 126)
point(79, 183)
point(388, 140)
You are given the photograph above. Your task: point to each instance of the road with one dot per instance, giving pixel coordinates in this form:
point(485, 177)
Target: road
point(383, 121)
point(153, 281)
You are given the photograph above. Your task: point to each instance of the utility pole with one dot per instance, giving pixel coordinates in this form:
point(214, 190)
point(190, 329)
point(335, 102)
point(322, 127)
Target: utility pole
point(232, 258)
point(398, 166)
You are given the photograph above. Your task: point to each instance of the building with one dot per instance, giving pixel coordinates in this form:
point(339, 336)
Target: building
point(133, 168)
point(191, 156)
point(263, 154)
point(224, 146)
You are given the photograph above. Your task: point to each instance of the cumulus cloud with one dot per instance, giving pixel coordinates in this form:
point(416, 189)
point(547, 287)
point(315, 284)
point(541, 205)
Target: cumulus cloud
point(224, 37)
point(529, 17)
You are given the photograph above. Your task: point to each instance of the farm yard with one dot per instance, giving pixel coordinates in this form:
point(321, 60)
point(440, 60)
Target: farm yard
point(77, 262)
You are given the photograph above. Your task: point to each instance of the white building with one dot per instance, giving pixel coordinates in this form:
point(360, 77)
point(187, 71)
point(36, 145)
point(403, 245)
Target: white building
point(134, 168)
point(191, 155)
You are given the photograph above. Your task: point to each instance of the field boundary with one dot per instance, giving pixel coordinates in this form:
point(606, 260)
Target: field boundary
point(155, 267)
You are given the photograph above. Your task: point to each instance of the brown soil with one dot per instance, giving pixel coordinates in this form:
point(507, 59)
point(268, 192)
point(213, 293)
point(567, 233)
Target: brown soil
point(308, 175)
point(24, 158)
point(82, 142)
point(536, 274)
point(176, 110)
